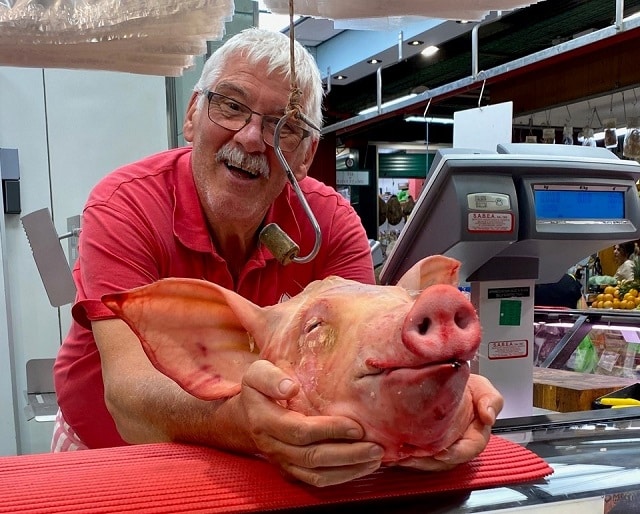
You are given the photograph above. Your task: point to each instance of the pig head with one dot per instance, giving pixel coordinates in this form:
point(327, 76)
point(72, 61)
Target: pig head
point(393, 358)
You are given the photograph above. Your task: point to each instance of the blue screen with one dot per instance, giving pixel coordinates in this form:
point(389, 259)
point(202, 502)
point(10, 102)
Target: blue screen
point(558, 204)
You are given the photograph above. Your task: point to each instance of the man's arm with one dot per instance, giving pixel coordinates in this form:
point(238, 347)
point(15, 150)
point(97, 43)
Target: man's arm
point(149, 407)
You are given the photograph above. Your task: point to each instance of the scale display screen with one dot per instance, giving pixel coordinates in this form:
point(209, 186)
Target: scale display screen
point(579, 202)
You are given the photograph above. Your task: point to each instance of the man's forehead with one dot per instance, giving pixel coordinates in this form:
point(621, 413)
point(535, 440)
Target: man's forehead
point(237, 92)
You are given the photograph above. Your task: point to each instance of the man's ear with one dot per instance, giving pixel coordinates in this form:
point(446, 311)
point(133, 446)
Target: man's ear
point(301, 171)
point(187, 126)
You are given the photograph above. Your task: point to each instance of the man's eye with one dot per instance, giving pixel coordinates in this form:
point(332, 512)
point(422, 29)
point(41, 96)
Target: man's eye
point(230, 105)
point(290, 129)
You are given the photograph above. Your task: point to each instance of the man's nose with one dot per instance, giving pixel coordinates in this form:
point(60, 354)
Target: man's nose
point(251, 135)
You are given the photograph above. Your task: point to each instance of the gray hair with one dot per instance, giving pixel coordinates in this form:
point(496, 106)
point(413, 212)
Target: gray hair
point(260, 45)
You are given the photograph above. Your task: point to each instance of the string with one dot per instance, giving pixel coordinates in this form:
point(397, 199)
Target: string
point(295, 94)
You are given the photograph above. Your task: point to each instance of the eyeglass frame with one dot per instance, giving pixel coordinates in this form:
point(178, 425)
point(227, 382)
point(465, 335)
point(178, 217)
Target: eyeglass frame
point(269, 117)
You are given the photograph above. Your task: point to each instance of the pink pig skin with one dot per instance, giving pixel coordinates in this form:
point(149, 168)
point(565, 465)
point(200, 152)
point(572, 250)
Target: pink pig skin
point(390, 357)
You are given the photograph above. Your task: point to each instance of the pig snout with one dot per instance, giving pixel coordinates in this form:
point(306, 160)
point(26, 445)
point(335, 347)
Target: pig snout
point(442, 326)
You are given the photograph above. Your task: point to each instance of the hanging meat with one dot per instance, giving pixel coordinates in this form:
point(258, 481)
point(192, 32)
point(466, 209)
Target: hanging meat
point(394, 210)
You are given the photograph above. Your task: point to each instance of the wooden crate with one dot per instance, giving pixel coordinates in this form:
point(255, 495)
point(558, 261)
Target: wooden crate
point(569, 391)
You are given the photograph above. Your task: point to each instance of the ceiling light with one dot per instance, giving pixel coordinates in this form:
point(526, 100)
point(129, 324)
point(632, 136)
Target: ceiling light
point(430, 50)
point(429, 119)
point(340, 77)
point(415, 42)
point(387, 104)
point(374, 61)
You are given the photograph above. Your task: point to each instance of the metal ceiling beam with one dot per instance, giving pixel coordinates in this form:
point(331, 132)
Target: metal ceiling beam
point(563, 51)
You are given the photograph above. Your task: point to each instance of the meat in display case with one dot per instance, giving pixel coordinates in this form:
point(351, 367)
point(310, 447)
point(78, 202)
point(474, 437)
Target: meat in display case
point(602, 342)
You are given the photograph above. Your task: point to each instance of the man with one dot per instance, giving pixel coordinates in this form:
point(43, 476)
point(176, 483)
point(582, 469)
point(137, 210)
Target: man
point(196, 212)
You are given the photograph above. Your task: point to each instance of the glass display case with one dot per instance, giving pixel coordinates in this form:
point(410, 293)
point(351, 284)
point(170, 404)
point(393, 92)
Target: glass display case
point(595, 341)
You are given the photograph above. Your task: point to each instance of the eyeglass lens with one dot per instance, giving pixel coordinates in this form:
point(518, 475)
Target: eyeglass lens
point(233, 115)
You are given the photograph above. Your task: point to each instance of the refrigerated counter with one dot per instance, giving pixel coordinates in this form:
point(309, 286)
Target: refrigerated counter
point(595, 456)
point(595, 341)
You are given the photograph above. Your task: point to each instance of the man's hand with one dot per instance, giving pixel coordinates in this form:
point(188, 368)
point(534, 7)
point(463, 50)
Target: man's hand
point(318, 450)
point(488, 403)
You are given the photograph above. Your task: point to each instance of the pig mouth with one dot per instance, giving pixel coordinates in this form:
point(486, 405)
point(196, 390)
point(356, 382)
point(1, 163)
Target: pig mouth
point(374, 369)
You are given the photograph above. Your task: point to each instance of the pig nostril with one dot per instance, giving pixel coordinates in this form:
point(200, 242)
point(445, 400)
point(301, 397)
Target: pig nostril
point(461, 319)
point(423, 327)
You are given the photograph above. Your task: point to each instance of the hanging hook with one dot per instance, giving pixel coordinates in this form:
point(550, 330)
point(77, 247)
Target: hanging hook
point(424, 114)
point(611, 106)
point(272, 236)
point(484, 82)
point(595, 112)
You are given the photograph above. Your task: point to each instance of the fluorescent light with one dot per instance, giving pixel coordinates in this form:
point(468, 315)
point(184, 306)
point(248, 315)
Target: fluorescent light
point(430, 50)
point(387, 104)
point(430, 119)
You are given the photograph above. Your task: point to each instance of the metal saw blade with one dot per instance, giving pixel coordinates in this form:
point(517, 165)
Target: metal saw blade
point(49, 256)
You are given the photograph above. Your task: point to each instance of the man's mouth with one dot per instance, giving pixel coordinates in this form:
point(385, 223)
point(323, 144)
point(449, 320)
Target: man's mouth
point(242, 164)
point(250, 174)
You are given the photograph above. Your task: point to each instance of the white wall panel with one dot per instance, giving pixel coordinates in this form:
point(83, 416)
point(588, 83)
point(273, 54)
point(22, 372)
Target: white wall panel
point(71, 128)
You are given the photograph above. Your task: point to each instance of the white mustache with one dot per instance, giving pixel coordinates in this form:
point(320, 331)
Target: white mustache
point(256, 164)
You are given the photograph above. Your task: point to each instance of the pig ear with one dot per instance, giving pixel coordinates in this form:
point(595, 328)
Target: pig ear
point(435, 269)
point(190, 333)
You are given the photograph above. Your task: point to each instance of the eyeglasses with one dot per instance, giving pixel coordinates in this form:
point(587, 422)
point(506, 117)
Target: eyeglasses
point(233, 115)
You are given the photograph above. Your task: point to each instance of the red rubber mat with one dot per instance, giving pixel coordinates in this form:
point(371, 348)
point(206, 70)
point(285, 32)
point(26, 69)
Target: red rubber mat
point(176, 478)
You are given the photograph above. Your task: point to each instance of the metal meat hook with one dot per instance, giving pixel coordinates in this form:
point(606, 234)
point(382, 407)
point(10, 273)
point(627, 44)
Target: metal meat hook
point(272, 236)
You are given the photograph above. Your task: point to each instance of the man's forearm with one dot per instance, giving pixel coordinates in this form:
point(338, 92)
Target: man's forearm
point(160, 411)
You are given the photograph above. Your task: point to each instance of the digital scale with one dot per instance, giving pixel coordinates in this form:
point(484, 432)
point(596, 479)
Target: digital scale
point(514, 217)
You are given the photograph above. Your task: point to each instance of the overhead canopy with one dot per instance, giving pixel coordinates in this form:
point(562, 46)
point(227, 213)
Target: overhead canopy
point(162, 37)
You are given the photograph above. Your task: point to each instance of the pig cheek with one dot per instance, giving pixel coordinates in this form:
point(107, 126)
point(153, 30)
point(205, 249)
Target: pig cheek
point(413, 415)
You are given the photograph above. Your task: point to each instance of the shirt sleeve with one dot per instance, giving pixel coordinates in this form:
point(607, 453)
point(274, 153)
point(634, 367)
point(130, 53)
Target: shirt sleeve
point(624, 271)
point(117, 251)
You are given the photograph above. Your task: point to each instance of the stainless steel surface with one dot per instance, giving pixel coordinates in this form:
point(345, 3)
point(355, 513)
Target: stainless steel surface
point(595, 456)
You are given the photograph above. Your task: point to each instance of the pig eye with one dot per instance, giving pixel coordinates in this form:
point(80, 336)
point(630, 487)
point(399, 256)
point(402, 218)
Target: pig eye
point(312, 324)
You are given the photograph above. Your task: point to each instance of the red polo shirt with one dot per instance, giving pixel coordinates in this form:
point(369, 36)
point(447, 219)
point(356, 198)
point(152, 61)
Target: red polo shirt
point(144, 222)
